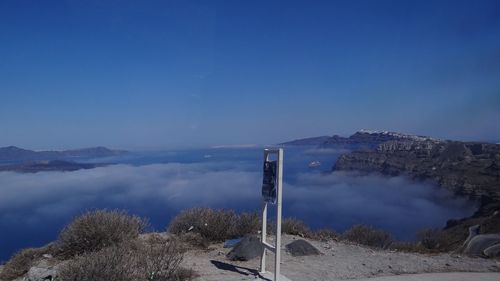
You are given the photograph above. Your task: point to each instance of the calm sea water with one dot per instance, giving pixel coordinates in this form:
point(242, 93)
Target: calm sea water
point(157, 185)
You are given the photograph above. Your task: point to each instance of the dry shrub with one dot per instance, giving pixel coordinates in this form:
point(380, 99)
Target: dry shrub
point(156, 259)
point(428, 241)
point(193, 240)
point(246, 223)
point(214, 225)
point(99, 229)
point(160, 258)
point(185, 274)
point(295, 226)
point(435, 240)
point(369, 236)
point(21, 262)
point(325, 234)
point(410, 247)
point(116, 263)
point(198, 226)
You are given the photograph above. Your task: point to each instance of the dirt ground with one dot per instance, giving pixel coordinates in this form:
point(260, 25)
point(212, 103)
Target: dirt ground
point(341, 261)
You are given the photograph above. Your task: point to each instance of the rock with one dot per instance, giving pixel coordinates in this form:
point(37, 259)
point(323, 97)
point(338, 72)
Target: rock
point(248, 248)
point(493, 251)
point(41, 274)
point(302, 248)
point(473, 232)
point(232, 242)
point(479, 243)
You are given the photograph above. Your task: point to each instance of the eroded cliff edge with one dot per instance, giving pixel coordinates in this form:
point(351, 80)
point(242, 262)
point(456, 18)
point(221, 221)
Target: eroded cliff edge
point(466, 168)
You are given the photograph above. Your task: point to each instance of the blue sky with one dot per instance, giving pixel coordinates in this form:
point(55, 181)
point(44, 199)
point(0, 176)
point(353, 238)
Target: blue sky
point(159, 74)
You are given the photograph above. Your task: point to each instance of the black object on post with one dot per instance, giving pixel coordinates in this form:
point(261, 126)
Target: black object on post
point(269, 182)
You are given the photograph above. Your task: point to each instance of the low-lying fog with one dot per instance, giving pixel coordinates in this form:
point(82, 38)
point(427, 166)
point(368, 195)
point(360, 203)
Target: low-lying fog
point(34, 207)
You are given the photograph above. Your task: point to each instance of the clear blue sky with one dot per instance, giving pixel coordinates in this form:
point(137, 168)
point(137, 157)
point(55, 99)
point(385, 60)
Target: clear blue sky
point(157, 74)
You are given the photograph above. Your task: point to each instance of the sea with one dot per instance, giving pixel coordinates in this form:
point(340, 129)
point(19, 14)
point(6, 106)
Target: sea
point(157, 185)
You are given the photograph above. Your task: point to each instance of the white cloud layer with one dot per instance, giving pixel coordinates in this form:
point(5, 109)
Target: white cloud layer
point(337, 200)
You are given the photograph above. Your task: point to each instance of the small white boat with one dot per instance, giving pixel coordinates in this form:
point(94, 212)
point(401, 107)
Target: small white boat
point(314, 164)
point(207, 156)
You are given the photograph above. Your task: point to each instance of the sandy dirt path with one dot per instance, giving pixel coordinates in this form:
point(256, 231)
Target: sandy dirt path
point(341, 261)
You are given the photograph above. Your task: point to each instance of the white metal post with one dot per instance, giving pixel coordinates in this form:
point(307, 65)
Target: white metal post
point(278, 216)
point(264, 225)
point(263, 237)
point(279, 199)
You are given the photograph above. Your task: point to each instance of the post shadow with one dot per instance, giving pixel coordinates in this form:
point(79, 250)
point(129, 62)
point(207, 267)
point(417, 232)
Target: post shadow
point(238, 269)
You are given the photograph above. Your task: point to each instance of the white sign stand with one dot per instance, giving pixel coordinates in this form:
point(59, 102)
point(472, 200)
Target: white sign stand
point(279, 194)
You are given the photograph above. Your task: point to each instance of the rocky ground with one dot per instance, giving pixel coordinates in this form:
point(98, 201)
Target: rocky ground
point(339, 261)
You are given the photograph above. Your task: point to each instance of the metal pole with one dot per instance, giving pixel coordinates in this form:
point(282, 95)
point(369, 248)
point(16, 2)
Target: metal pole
point(264, 227)
point(278, 216)
point(263, 237)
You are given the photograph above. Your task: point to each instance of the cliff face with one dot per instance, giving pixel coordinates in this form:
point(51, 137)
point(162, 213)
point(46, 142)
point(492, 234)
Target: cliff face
point(471, 169)
point(363, 139)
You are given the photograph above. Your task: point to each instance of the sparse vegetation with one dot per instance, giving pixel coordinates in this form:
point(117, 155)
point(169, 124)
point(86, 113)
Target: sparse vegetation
point(193, 240)
point(104, 245)
point(99, 229)
point(435, 240)
point(409, 247)
point(246, 223)
point(21, 262)
point(156, 259)
point(112, 264)
point(214, 225)
point(325, 234)
point(160, 258)
point(369, 236)
point(295, 226)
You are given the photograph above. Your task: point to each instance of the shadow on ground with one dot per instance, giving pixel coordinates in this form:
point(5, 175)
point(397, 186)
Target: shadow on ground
point(238, 269)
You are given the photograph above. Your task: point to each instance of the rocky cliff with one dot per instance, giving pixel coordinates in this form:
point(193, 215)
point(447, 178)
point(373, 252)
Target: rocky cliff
point(363, 139)
point(466, 168)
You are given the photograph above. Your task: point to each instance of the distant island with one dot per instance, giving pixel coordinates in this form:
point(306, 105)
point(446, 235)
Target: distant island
point(16, 159)
point(45, 166)
point(13, 154)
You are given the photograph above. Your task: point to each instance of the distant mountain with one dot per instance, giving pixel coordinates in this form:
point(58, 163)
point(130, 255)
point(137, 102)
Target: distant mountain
point(363, 139)
point(12, 154)
point(44, 166)
point(93, 152)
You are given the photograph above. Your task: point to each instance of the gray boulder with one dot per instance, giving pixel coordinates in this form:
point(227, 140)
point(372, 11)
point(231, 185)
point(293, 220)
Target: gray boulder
point(45, 270)
point(481, 245)
point(248, 248)
point(41, 274)
point(302, 248)
point(493, 251)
